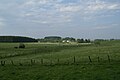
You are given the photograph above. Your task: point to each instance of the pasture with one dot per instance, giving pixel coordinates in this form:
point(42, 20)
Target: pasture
point(58, 61)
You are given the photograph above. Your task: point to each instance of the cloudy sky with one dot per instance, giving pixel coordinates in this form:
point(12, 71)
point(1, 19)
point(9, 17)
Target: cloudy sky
point(74, 18)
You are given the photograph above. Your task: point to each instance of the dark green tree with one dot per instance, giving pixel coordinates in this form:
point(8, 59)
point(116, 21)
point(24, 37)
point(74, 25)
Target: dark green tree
point(80, 40)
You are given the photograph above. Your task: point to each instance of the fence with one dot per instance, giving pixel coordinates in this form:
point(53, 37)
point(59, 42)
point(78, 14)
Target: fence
point(57, 62)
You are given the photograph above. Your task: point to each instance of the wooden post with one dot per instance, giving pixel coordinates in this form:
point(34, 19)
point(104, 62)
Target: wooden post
point(108, 58)
point(89, 59)
point(58, 61)
point(12, 62)
point(31, 61)
point(20, 64)
point(34, 61)
point(98, 59)
point(2, 63)
point(41, 61)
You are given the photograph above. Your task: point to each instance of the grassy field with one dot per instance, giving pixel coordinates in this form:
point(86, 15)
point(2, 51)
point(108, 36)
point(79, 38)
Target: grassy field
point(46, 61)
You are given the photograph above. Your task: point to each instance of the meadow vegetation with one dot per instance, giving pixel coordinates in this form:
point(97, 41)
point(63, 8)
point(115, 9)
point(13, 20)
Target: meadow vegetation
point(60, 61)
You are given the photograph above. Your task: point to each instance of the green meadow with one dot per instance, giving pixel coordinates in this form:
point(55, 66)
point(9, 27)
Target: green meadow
point(60, 61)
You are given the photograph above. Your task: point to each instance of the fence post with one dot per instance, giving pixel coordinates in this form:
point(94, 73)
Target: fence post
point(41, 61)
point(31, 61)
point(98, 59)
point(2, 63)
point(12, 62)
point(34, 61)
point(108, 58)
point(89, 59)
point(20, 64)
point(58, 61)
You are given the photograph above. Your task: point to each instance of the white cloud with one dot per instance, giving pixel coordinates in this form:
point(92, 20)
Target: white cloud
point(42, 22)
point(45, 1)
point(102, 5)
point(31, 2)
point(113, 6)
point(69, 9)
point(2, 22)
point(73, 15)
point(102, 27)
point(105, 26)
point(46, 11)
point(52, 11)
point(1, 19)
point(39, 2)
point(94, 7)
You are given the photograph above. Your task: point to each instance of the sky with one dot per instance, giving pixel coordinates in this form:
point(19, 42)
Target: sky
point(93, 19)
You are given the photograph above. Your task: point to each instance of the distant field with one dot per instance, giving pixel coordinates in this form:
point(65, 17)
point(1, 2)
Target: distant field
point(58, 61)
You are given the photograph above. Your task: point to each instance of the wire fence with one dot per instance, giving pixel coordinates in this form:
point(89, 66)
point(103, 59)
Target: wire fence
point(58, 61)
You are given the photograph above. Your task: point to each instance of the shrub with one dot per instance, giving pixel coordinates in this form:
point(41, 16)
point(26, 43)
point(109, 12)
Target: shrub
point(21, 45)
point(15, 47)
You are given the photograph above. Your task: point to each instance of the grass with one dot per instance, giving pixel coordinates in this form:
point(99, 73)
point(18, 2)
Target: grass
point(61, 72)
point(82, 69)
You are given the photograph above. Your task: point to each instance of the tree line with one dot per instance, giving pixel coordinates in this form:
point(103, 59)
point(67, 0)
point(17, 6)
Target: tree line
point(48, 39)
point(60, 39)
point(16, 39)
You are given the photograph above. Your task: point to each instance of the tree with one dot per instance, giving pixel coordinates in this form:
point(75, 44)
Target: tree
point(52, 39)
point(69, 38)
point(16, 39)
point(80, 40)
point(87, 40)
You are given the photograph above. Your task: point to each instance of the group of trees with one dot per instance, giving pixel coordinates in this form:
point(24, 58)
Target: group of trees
point(45, 39)
point(83, 40)
point(50, 39)
point(16, 39)
point(69, 39)
point(60, 39)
